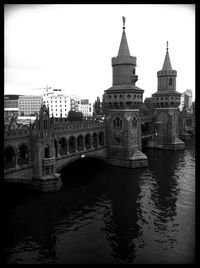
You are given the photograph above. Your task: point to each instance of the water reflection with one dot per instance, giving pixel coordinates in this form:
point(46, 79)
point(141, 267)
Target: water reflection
point(166, 188)
point(160, 190)
point(121, 225)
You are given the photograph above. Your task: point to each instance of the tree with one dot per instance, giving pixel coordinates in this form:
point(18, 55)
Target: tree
point(147, 108)
point(97, 107)
point(75, 116)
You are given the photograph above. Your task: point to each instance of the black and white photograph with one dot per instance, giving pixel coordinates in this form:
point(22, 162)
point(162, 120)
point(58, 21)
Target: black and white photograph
point(99, 134)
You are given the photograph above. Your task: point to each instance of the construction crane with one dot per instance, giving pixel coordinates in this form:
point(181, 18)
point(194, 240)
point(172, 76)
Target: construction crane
point(38, 88)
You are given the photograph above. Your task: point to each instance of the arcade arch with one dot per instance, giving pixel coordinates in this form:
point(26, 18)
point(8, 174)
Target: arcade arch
point(9, 157)
point(23, 154)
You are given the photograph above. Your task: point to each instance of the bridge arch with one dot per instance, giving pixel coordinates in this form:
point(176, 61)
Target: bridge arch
point(10, 156)
point(23, 154)
point(78, 157)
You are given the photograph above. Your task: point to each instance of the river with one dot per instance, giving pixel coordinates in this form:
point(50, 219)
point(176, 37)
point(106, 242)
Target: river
point(107, 215)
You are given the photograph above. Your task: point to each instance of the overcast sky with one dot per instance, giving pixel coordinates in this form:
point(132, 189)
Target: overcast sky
point(71, 46)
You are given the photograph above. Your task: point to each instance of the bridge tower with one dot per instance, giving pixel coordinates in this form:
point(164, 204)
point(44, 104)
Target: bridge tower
point(43, 153)
point(166, 101)
point(121, 103)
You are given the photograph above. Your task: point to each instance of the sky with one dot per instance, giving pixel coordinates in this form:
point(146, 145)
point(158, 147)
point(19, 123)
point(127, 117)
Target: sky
point(70, 46)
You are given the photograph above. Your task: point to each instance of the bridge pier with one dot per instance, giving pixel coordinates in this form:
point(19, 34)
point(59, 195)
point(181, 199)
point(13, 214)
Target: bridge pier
point(48, 183)
point(138, 159)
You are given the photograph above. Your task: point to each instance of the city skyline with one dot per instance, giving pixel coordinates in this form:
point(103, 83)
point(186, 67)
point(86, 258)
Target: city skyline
point(71, 46)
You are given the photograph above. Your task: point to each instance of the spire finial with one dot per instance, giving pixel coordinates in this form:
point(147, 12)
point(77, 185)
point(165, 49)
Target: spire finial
point(167, 46)
point(124, 20)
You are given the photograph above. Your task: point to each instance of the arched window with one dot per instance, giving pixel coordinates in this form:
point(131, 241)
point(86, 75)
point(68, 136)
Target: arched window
point(134, 122)
point(101, 138)
point(87, 141)
point(94, 140)
point(72, 144)
point(63, 145)
point(80, 143)
point(170, 81)
point(46, 151)
point(56, 148)
point(45, 124)
point(117, 123)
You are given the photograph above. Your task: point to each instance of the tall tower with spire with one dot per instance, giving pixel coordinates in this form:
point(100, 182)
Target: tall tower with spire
point(121, 102)
point(166, 101)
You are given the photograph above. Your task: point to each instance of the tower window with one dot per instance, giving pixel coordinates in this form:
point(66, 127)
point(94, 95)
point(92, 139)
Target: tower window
point(170, 81)
point(134, 122)
point(117, 123)
point(45, 124)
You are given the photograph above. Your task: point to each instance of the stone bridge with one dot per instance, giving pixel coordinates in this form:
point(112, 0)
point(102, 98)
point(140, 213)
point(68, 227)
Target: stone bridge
point(49, 144)
point(71, 142)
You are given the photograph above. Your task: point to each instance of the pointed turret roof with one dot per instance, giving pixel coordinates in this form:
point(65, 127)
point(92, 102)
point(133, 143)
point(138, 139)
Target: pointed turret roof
point(123, 48)
point(167, 63)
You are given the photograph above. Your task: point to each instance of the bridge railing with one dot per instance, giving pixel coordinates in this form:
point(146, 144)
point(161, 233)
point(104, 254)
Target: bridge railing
point(146, 118)
point(148, 133)
point(48, 161)
point(78, 125)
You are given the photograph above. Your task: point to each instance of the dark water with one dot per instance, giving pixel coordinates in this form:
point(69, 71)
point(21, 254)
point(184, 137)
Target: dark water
point(107, 214)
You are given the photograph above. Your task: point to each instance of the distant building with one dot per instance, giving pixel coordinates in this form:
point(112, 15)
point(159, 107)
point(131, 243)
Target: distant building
point(10, 107)
point(26, 120)
point(186, 100)
point(9, 113)
point(75, 103)
point(11, 101)
point(86, 108)
point(58, 103)
point(29, 105)
point(189, 93)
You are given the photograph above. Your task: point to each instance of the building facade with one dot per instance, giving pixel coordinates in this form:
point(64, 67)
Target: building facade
point(9, 113)
point(11, 101)
point(10, 107)
point(186, 100)
point(29, 105)
point(75, 103)
point(86, 107)
point(58, 103)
